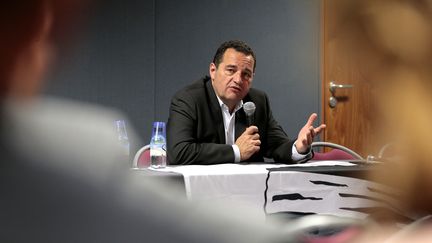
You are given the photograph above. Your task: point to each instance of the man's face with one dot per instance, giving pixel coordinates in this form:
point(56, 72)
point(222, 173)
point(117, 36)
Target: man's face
point(233, 78)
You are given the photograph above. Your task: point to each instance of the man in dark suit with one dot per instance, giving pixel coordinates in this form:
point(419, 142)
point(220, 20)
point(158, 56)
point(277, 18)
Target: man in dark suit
point(207, 123)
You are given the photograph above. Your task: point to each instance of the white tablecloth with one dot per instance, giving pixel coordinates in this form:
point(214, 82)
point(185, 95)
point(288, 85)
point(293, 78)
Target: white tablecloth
point(288, 191)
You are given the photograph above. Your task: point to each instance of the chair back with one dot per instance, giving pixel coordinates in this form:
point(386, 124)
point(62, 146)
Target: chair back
point(338, 152)
point(334, 154)
point(142, 157)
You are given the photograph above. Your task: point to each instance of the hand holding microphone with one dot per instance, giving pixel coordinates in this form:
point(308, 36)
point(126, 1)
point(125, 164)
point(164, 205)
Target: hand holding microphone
point(249, 142)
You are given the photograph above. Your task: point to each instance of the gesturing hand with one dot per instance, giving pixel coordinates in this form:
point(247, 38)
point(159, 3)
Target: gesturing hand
point(307, 134)
point(248, 142)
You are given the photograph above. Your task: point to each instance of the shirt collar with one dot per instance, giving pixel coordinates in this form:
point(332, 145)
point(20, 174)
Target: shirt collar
point(238, 106)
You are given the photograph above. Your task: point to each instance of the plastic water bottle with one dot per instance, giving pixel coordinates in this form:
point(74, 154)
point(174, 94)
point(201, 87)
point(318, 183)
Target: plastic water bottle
point(158, 146)
point(123, 140)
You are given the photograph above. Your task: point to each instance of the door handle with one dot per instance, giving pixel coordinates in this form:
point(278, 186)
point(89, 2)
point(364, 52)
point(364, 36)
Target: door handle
point(334, 86)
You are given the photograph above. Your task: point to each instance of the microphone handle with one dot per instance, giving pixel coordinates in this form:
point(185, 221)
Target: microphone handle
point(249, 120)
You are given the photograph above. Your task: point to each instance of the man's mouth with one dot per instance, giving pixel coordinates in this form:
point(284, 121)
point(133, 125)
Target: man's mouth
point(235, 88)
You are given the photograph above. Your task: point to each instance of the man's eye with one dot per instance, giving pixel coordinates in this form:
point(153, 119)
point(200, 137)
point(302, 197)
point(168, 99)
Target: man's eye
point(247, 76)
point(230, 71)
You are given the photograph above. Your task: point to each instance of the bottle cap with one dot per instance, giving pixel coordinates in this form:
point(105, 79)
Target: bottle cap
point(158, 129)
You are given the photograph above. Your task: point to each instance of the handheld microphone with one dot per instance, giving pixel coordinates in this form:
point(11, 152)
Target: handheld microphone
point(249, 108)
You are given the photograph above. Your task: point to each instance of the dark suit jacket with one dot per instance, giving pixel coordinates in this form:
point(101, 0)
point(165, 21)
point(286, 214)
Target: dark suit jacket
point(195, 130)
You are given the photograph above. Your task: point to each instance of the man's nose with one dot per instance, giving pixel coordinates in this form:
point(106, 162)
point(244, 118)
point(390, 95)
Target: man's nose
point(238, 77)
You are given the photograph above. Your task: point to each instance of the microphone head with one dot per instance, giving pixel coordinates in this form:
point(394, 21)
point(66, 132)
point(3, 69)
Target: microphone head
point(249, 108)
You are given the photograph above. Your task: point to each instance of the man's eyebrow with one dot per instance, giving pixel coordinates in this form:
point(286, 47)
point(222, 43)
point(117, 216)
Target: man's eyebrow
point(231, 66)
point(248, 70)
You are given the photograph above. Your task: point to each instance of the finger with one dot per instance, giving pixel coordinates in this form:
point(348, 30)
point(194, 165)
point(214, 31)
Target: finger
point(311, 119)
point(252, 130)
point(256, 136)
point(309, 139)
point(255, 143)
point(256, 149)
point(320, 128)
point(312, 131)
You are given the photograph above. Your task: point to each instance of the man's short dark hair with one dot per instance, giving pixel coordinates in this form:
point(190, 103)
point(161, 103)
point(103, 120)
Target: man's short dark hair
point(237, 45)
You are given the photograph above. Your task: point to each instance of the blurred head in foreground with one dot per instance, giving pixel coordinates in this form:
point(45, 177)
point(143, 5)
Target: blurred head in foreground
point(30, 30)
point(392, 40)
point(46, 129)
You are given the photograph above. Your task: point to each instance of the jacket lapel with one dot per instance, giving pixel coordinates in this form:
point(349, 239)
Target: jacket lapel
point(216, 111)
point(240, 123)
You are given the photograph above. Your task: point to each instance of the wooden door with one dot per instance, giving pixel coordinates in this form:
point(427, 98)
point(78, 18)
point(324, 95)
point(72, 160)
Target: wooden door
point(349, 122)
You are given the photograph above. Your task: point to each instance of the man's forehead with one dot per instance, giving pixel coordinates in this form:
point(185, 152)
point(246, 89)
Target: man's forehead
point(231, 57)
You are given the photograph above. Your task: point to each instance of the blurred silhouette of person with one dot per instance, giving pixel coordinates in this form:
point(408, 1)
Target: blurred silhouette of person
point(393, 39)
point(59, 174)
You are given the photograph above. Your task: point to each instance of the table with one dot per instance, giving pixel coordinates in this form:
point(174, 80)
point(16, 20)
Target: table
point(325, 187)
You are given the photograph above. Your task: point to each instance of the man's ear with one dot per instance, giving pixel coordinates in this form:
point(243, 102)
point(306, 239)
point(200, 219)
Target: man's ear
point(212, 70)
